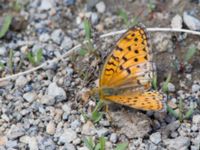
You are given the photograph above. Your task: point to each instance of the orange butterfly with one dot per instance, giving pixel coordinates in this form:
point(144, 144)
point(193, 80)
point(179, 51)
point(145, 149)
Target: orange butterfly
point(127, 73)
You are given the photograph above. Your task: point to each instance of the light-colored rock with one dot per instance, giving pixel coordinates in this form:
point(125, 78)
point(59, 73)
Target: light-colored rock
point(21, 81)
point(33, 144)
point(47, 100)
point(113, 137)
point(45, 5)
point(191, 22)
point(44, 37)
point(177, 22)
point(30, 96)
point(3, 140)
point(88, 128)
point(3, 51)
point(67, 43)
point(51, 128)
point(101, 7)
point(177, 143)
point(68, 136)
point(57, 36)
point(171, 87)
point(54, 91)
point(155, 137)
point(195, 88)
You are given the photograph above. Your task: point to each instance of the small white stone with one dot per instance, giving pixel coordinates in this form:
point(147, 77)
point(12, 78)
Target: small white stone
point(44, 37)
point(3, 51)
point(67, 43)
point(171, 87)
point(51, 128)
point(21, 81)
point(177, 22)
point(155, 137)
point(113, 137)
point(101, 7)
point(68, 136)
point(32, 144)
point(30, 96)
point(45, 5)
point(54, 90)
point(88, 128)
point(195, 88)
point(196, 120)
point(191, 22)
point(57, 36)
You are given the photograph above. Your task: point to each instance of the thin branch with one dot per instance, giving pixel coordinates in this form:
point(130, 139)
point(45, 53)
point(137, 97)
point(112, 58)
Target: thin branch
point(75, 49)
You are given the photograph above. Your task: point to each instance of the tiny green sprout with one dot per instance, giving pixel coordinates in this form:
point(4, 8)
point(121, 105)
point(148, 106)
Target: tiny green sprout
point(16, 5)
point(82, 52)
point(96, 114)
point(124, 16)
point(35, 58)
point(154, 82)
point(87, 29)
point(91, 145)
point(180, 115)
point(2, 66)
point(190, 53)
point(165, 85)
point(5, 26)
point(121, 146)
point(151, 6)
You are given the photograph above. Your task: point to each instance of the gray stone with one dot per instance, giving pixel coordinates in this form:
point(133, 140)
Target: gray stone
point(30, 96)
point(195, 88)
point(21, 81)
point(196, 120)
point(191, 22)
point(11, 144)
point(44, 37)
point(102, 132)
point(67, 43)
point(101, 7)
point(171, 87)
point(45, 5)
point(69, 146)
point(88, 128)
point(51, 128)
point(47, 100)
point(177, 22)
point(55, 91)
point(75, 124)
point(177, 143)
point(68, 136)
point(170, 128)
point(57, 36)
point(3, 51)
point(33, 144)
point(94, 18)
point(16, 131)
point(155, 137)
point(113, 137)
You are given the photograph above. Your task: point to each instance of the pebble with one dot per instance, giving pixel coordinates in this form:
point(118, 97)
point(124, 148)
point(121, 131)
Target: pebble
point(11, 144)
point(51, 128)
point(57, 36)
point(155, 137)
point(3, 140)
point(101, 7)
point(75, 124)
point(66, 108)
point(191, 22)
point(171, 87)
point(47, 100)
point(16, 131)
point(45, 5)
point(88, 129)
point(67, 43)
point(177, 22)
point(113, 137)
point(69, 2)
point(30, 96)
point(102, 132)
point(195, 88)
point(196, 120)
point(56, 92)
point(3, 51)
point(68, 136)
point(21, 81)
point(94, 18)
point(33, 144)
point(69, 146)
point(180, 142)
point(44, 37)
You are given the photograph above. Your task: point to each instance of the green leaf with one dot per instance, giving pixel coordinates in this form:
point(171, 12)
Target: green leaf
point(190, 53)
point(31, 58)
point(165, 85)
point(189, 113)
point(82, 52)
point(10, 61)
point(180, 109)
point(98, 146)
point(39, 56)
point(122, 146)
point(171, 111)
point(102, 142)
point(96, 116)
point(124, 16)
point(5, 26)
point(2, 66)
point(154, 82)
point(89, 143)
point(87, 28)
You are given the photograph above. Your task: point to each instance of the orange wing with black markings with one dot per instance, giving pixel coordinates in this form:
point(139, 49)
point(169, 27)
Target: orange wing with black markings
point(129, 66)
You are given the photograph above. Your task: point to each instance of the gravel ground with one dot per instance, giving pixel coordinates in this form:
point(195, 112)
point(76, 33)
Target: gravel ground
point(44, 109)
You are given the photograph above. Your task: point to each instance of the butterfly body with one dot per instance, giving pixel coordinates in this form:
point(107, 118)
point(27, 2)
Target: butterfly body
point(127, 73)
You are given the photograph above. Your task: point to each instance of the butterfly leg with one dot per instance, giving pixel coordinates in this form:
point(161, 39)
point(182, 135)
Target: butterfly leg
point(108, 112)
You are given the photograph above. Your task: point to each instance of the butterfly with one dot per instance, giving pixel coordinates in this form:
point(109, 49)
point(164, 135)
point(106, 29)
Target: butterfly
point(127, 73)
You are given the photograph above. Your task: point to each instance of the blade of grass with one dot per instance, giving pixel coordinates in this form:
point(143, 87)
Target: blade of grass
point(89, 143)
point(122, 146)
point(10, 61)
point(124, 16)
point(165, 85)
point(87, 29)
point(6, 24)
point(102, 142)
point(190, 53)
point(2, 66)
point(154, 82)
point(171, 111)
point(189, 113)
point(39, 56)
point(180, 110)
